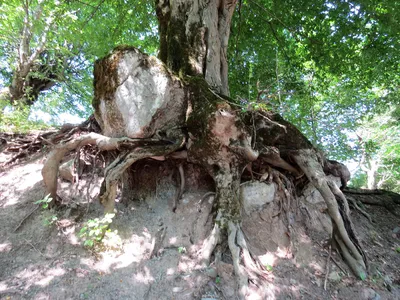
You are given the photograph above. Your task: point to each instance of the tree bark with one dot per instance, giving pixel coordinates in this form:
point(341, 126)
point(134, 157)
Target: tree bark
point(194, 37)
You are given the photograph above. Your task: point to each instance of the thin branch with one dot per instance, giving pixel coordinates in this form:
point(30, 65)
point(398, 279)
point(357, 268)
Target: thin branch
point(26, 217)
point(93, 13)
point(43, 39)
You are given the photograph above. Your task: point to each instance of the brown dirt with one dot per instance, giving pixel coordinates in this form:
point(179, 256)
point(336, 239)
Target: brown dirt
point(41, 261)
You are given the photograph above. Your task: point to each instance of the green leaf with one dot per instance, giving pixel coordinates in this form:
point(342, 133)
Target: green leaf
point(88, 243)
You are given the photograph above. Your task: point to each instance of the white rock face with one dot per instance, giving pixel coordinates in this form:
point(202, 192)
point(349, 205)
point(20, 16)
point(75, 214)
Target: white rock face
point(147, 97)
point(254, 195)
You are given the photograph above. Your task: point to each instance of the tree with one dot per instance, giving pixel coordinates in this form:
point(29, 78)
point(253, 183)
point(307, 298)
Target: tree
point(179, 107)
point(379, 139)
point(50, 46)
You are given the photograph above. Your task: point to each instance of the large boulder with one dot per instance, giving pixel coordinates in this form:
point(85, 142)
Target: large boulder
point(254, 195)
point(135, 95)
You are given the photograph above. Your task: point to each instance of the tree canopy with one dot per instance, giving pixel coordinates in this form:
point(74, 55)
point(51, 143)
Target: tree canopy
point(330, 67)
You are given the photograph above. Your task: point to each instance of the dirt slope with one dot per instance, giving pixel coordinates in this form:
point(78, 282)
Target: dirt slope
point(157, 258)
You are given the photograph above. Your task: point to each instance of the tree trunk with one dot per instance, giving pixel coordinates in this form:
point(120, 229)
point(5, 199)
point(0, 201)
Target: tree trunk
point(25, 89)
point(194, 37)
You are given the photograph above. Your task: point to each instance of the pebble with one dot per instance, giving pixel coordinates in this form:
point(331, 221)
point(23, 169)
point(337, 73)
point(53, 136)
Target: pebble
point(369, 294)
point(334, 276)
point(212, 272)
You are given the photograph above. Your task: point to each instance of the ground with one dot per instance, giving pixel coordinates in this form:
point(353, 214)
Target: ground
point(158, 255)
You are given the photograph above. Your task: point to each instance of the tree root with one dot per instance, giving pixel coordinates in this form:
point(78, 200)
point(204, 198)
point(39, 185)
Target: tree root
point(210, 243)
point(338, 209)
point(149, 147)
point(181, 189)
point(247, 267)
point(359, 209)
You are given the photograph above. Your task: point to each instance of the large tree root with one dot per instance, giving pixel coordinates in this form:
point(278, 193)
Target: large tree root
point(338, 210)
point(115, 170)
point(148, 147)
point(247, 267)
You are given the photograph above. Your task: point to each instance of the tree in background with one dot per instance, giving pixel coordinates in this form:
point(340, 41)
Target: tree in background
point(379, 144)
point(50, 46)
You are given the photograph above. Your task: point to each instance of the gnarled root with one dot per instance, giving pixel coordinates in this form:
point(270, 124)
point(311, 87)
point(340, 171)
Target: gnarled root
point(150, 147)
point(246, 267)
point(338, 210)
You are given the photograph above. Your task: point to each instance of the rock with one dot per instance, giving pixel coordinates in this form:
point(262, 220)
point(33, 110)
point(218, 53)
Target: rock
point(334, 277)
point(254, 195)
point(312, 195)
point(369, 294)
point(212, 272)
point(177, 289)
point(135, 95)
point(66, 171)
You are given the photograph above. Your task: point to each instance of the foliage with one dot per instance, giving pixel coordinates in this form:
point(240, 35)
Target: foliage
point(50, 218)
point(96, 233)
point(323, 65)
point(181, 250)
point(45, 201)
point(17, 120)
point(269, 268)
point(65, 38)
point(379, 146)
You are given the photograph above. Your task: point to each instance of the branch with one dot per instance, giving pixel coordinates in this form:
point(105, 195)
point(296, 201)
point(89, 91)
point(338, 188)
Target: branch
point(43, 39)
point(23, 50)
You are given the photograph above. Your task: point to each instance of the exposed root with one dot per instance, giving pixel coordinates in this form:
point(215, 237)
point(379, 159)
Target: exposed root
point(209, 245)
point(383, 198)
point(359, 209)
point(243, 279)
point(152, 147)
point(345, 235)
point(181, 189)
point(272, 156)
point(198, 204)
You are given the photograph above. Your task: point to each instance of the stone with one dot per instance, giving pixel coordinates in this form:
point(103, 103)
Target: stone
point(312, 195)
point(334, 276)
point(138, 96)
point(369, 294)
point(212, 272)
point(177, 289)
point(254, 195)
point(66, 171)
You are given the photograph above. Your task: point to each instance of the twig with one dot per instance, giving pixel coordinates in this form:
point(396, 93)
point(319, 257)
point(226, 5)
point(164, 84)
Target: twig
point(335, 262)
point(203, 198)
point(26, 217)
point(30, 244)
point(273, 122)
point(327, 267)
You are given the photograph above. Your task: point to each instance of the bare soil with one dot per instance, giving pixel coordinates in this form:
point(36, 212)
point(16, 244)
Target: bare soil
point(158, 256)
